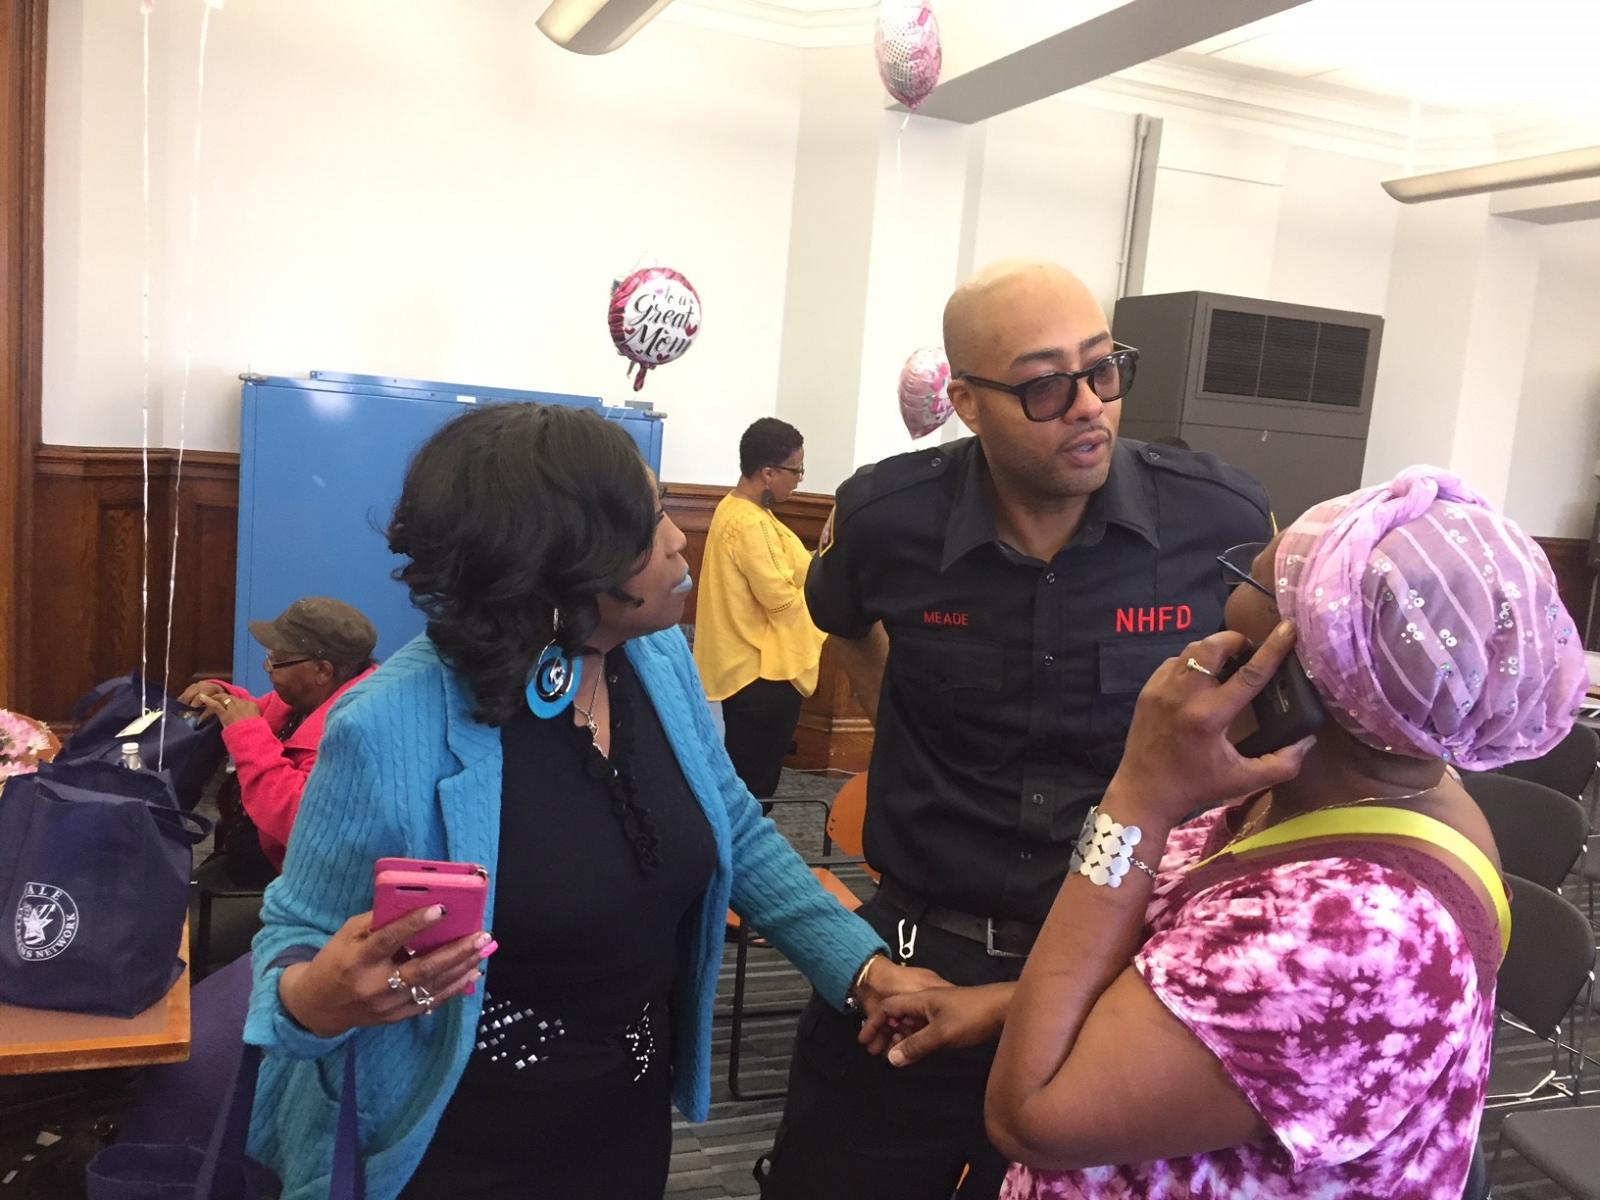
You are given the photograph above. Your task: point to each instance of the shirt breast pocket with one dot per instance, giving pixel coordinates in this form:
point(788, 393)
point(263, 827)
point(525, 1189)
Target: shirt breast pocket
point(952, 683)
point(1126, 664)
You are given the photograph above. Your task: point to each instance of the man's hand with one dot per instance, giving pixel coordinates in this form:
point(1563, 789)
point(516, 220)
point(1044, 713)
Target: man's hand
point(916, 1024)
point(885, 979)
point(195, 693)
point(228, 709)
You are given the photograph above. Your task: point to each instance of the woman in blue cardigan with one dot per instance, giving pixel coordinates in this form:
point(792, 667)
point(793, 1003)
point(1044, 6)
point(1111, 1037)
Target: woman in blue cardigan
point(551, 727)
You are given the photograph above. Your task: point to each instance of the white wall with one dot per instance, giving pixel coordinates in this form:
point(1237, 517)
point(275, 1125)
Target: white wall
point(425, 189)
point(432, 189)
point(1054, 185)
point(1239, 213)
point(830, 248)
point(1427, 323)
point(1552, 489)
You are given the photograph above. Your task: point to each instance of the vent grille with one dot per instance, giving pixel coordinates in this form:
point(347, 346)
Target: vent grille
point(1284, 358)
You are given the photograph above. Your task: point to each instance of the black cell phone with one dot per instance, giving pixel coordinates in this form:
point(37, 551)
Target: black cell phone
point(1286, 710)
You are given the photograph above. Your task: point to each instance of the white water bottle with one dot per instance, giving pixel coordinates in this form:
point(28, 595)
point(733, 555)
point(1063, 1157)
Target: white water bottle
point(130, 756)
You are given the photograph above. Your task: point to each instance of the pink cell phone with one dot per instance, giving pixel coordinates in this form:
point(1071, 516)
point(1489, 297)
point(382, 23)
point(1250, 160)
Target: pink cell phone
point(403, 885)
point(427, 864)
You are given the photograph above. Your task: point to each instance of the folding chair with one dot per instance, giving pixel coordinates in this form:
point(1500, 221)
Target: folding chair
point(846, 817)
point(1540, 832)
point(1568, 768)
point(1548, 965)
point(211, 883)
point(1563, 1143)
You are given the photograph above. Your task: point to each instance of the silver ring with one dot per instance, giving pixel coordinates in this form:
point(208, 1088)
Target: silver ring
point(421, 997)
point(395, 982)
point(1204, 670)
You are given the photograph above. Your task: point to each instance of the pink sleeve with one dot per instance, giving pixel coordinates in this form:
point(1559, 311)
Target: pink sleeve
point(270, 781)
point(1333, 992)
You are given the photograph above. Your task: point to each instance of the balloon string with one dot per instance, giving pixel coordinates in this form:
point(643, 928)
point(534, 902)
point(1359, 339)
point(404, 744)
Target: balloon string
point(188, 356)
point(144, 340)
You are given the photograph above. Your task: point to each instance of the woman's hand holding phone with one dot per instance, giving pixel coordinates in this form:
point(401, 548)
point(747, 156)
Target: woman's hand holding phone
point(351, 982)
point(1178, 755)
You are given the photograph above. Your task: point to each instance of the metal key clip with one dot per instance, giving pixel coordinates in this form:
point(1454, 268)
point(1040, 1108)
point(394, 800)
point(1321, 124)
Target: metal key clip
point(908, 945)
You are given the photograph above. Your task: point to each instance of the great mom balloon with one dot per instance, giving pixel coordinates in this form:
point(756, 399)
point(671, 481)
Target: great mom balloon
point(654, 318)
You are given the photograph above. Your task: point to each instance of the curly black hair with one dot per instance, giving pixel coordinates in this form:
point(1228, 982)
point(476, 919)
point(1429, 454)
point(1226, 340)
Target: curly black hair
point(509, 514)
point(767, 443)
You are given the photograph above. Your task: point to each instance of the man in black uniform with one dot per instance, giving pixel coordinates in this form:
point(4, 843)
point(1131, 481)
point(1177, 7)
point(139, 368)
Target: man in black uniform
point(999, 601)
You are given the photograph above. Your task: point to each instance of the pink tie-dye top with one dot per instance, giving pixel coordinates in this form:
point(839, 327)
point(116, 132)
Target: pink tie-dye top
point(1350, 997)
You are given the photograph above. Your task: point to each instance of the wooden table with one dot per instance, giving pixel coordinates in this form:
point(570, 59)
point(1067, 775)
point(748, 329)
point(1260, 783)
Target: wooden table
point(37, 1040)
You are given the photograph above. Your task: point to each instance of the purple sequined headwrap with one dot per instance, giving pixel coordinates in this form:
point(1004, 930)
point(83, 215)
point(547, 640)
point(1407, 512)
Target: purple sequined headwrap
point(1430, 623)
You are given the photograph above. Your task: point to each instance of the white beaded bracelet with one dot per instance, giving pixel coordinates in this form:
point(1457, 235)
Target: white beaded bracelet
point(1105, 850)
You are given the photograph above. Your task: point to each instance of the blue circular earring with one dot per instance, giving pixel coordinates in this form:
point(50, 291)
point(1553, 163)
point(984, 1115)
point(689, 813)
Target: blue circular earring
point(553, 686)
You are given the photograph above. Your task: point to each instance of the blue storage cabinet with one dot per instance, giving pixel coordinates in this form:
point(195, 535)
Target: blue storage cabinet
point(321, 462)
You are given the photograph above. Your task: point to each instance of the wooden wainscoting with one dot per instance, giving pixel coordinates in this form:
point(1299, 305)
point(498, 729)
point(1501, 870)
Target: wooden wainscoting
point(87, 564)
point(88, 560)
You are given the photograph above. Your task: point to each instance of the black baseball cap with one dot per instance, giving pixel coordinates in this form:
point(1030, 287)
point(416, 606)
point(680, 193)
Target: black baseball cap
point(319, 627)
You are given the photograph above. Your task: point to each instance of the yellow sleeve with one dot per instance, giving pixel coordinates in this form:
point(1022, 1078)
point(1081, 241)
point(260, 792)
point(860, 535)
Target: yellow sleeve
point(778, 586)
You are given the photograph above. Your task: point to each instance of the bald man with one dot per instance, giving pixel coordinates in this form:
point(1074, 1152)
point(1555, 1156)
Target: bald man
point(1000, 601)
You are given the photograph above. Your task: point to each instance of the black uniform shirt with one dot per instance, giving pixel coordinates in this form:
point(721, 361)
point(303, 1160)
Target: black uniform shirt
point(1011, 682)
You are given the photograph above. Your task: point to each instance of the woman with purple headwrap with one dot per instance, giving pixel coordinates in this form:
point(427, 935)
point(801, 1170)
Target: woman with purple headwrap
point(1291, 995)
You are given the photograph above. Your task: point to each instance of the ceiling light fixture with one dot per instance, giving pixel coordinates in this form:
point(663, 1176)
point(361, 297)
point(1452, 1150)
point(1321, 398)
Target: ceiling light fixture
point(1561, 167)
point(596, 26)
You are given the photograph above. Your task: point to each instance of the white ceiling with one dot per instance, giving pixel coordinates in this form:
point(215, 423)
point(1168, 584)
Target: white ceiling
point(1532, 57)
point(1472, 76)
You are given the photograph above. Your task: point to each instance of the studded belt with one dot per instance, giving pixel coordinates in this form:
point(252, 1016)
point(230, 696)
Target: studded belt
point(513, 1038)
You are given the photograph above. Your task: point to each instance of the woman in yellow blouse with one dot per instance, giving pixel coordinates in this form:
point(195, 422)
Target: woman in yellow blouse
point(754, 641)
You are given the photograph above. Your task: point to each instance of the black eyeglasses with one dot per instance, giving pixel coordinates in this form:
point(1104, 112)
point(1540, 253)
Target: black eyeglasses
point(797, 472)
point(288, 662)
point(1236, 567)
point(1047, 397)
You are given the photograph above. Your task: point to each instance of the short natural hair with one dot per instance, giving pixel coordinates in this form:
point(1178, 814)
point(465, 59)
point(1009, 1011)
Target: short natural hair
point(766, 444)
point(512, 512)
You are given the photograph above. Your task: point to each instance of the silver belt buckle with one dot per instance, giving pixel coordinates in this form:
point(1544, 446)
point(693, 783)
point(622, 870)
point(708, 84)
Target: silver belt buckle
point(988, 942)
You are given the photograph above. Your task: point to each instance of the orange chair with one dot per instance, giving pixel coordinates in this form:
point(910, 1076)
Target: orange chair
point(846, 824)
point(843, 830)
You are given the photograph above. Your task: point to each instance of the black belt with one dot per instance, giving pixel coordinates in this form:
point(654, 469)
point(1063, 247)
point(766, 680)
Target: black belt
point(1000, 938)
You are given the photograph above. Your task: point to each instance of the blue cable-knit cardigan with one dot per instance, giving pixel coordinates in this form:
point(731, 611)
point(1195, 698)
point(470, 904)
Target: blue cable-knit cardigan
point(405, 770)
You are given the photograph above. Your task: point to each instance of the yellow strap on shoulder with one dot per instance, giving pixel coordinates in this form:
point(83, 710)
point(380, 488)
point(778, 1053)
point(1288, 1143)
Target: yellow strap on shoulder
point(1393, 822)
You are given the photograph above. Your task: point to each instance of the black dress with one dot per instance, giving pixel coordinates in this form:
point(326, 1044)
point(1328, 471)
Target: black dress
point(568, 1090)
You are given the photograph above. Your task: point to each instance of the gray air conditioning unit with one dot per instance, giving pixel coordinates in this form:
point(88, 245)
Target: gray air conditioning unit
point(1282, 391)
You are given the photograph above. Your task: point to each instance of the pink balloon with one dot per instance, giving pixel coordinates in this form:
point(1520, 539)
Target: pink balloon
point(654, 318)
point(925, 391)
point(909, 54)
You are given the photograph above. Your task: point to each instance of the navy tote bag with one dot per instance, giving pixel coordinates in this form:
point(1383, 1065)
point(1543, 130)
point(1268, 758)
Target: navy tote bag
point(94, 888)
point(188, 752)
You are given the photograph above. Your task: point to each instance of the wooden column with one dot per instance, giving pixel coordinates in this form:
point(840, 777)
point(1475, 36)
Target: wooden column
point(22, 43)
point(834, 731)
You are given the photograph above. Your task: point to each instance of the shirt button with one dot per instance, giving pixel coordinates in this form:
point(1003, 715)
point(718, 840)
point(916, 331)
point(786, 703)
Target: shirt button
point(1049, 576)
point(1038, 797)
point(1048, 659)
point(1025, 855)
point(936, 461)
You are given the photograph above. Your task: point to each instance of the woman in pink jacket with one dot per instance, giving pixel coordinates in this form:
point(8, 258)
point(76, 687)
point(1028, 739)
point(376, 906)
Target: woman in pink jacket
point(317, 649)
